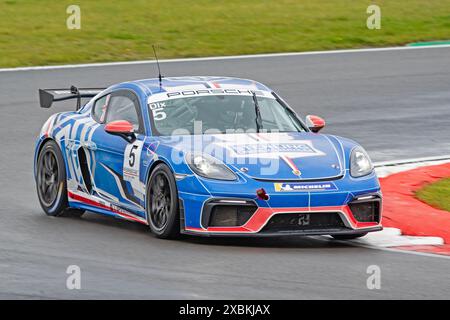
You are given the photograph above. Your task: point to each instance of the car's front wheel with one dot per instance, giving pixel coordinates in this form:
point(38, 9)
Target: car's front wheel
point(162, 203)
point(349, 236)
point(51, 182)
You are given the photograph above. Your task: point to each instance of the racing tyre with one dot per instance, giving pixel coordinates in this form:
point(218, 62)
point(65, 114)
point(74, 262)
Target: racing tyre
point(349, 236)
point(51, 182)
point(162, 203)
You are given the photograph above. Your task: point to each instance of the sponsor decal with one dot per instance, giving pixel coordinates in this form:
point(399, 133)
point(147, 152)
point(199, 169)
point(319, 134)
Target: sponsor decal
point(272, 146)
point(257, 148)
point(188, 93)
point(159, 97)
point(304, 186)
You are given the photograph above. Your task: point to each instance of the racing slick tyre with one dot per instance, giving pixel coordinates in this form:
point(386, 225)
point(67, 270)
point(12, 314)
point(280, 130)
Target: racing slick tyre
point(51, 182)
point(162, 203)
point(349, 236)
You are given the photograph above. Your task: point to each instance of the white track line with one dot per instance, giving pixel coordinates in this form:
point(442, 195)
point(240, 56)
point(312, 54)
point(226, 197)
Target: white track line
point(417, 253)
point(250, 56)
point(386, 168)
point(408, 161)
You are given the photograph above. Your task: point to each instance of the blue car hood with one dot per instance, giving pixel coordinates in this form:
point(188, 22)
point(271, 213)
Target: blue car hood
point(271, 156)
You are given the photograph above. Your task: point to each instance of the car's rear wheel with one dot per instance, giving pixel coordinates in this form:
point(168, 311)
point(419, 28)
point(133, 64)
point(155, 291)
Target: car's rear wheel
point(349, 236)
point(162, 203)
point(51, 182)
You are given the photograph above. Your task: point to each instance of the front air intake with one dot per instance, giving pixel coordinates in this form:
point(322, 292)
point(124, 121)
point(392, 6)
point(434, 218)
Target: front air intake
point(228, 216)
point(366, 211)
point(227, 212)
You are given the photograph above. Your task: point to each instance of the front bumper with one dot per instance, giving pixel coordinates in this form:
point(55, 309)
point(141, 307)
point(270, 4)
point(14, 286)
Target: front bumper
point(285, 212)
point(288, 221)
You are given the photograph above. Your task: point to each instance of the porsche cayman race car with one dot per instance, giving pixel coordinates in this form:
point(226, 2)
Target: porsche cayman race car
point(211, 156)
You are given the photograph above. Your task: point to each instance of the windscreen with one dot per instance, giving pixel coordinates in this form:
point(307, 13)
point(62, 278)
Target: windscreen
point(227, 113)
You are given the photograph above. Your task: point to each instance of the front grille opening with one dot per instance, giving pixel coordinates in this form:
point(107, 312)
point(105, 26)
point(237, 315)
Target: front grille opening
point(230, 215)
point(366, 211)
point(304, 221)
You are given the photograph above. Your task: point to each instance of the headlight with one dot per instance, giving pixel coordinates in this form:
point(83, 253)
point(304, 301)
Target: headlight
point(209, 167)
point(360, 164)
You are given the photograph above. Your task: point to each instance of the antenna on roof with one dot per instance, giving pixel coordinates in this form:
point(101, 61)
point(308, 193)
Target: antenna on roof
point(159, 70)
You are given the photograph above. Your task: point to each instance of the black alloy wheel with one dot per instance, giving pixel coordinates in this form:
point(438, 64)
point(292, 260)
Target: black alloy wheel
point(51, 182)
point(162, 203)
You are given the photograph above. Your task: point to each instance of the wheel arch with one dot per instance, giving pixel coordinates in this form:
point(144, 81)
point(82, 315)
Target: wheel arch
point(152, 167)
point(39, 147)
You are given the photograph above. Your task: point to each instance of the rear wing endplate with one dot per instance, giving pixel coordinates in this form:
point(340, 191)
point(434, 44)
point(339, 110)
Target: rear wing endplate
point(48, 96)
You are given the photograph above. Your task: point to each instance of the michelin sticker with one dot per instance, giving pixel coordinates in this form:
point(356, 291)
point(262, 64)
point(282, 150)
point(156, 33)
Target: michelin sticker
point(292, 187)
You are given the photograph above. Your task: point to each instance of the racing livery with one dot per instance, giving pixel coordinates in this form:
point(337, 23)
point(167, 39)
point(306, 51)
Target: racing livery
point(212, 156)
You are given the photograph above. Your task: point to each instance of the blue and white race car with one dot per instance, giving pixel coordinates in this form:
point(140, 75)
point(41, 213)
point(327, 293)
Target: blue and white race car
point(209, 156)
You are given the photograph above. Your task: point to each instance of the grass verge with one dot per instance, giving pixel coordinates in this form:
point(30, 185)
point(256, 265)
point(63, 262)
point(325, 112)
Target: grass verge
point(34, 32)
point(436, 194)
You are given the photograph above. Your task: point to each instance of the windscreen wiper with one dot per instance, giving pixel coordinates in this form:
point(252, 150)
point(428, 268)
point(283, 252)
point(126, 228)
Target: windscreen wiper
point(258, 113)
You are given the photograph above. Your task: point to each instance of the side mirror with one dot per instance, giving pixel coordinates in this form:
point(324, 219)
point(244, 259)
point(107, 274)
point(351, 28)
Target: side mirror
point(121, 128)
point(315, 123)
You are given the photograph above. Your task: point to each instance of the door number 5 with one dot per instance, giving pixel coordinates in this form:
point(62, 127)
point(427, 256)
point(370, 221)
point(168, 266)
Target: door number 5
point(132, 156)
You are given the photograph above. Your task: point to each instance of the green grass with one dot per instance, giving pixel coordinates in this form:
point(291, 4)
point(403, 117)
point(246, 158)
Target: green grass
point(33, 32)
point(436, 194)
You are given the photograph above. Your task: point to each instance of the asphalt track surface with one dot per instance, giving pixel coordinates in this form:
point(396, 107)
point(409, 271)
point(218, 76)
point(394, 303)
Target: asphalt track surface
point(396, 103)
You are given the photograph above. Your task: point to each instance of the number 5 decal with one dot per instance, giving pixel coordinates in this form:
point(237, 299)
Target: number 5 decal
point(132, 167)
point(159, 114)
point(132, 155)
point(132, 161)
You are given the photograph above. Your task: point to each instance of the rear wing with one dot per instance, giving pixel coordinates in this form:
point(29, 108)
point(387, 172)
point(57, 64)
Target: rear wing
point(48, 96)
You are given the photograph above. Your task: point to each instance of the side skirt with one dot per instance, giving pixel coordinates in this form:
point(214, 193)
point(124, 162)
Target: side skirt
point(97, 205)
